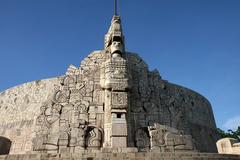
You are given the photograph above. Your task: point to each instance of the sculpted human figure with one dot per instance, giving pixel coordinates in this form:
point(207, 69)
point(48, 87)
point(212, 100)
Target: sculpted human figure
point(81, 135)
point(78, 124)
point(78, 135)
point(52, 114)
point(65, 125)
point(41, 130)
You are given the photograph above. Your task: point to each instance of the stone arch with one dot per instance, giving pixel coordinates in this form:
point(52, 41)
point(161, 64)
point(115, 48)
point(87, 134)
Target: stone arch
point(5, 145)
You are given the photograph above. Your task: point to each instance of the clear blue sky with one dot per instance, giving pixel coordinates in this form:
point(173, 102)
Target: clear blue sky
point(194, 43)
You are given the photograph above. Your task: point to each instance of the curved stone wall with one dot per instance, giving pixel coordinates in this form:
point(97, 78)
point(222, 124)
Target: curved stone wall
point(198, 107)
point(19, 107)
point(199, 118)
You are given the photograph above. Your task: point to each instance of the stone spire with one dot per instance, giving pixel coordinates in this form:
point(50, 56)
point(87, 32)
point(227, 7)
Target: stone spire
point(114, 39)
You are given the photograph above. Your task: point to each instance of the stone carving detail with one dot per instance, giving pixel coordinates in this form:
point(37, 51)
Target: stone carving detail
point(165, 138)
point(47, 127)
point(88, 96)
point(64, 121)
point(62, 96)
point(119, 100)
point(115, 76)
point(41, 130)
point(94, 138)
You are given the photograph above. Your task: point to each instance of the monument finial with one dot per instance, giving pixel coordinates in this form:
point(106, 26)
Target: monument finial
point(115, 33)
point(115, 7)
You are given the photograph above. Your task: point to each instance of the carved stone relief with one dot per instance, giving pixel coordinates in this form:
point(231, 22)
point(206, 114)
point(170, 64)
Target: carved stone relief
point(119, 100)
point(165, 138)
point(64, 121)
point(94, 138)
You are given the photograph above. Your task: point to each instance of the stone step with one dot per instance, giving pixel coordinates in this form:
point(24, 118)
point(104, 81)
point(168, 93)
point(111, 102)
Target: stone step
point(123, 156)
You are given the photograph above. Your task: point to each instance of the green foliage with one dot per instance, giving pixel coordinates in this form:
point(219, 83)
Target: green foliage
point(230, 133)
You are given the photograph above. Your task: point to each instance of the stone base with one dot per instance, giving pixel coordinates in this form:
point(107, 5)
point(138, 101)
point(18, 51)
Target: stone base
point(124, 156)
point(119, 150)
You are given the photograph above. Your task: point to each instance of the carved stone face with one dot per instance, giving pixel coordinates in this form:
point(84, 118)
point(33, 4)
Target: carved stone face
point(116, 48)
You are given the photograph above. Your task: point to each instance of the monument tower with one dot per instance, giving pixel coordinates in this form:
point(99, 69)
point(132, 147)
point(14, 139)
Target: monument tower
point(110, 101)
point(114, 81)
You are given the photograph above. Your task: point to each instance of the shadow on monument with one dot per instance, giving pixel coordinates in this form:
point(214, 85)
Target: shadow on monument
point(5, 145)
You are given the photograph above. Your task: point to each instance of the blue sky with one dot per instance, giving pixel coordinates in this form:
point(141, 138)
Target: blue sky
point(194, 43)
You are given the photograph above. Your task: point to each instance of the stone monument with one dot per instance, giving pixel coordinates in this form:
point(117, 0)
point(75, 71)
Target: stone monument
point(112, 101)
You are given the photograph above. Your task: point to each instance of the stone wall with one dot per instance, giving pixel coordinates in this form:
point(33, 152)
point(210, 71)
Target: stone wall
point(19, 107)
point(195, 117)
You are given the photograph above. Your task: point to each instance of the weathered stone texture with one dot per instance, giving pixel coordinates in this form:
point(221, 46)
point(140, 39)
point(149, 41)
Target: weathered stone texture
point(19, 107)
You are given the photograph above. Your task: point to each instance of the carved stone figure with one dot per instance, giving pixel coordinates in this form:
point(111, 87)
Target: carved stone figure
point(81, 136)
point(41, 131)
point(165, 138)
point(52, 114)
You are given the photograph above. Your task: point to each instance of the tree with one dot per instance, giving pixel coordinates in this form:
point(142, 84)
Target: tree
point(230, 133)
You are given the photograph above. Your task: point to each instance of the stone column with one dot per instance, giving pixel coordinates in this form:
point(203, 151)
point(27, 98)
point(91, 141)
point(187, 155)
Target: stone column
point(115, 83)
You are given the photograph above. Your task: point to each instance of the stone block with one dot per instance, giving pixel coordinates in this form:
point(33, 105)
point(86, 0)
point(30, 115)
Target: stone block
point(119, 129)
point(119, 142)
point(228, 146)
